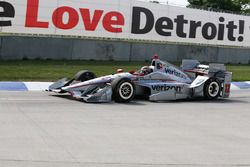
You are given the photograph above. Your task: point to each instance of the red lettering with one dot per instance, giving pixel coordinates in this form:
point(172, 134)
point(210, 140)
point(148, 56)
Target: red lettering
point(112, 19)
point(227, 88)
point(57, 18)
point(91, 24)
point(32, 15)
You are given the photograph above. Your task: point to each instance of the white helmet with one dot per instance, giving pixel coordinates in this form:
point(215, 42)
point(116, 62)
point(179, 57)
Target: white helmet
point(146, 70)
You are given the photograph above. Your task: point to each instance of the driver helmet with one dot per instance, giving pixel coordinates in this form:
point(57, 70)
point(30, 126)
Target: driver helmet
point(146, 70)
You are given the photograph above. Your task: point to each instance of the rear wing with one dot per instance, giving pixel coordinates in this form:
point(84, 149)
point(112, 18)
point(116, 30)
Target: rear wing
point(212, 70)
point(196, 66)
point(216, 68)
point(219, 71)
point(227, 84)
point(188, 64)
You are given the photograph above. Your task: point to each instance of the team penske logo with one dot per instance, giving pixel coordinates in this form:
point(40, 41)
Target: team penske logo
point(165, 88)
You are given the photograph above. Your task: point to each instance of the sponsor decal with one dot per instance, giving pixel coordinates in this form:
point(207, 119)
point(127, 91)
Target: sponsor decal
point(119, 20)
point(164, 26)
point(109, 19)
point(227, 88)
point(164, 88)
point(7, 11)
point(175, 73)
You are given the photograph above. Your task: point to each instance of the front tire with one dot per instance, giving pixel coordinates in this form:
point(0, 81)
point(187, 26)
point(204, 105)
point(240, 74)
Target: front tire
point(123, 90)
point(212, 89)
point(84, 75)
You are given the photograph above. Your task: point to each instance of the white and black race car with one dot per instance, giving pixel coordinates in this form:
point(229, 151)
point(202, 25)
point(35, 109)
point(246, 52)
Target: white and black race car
point(158, 82)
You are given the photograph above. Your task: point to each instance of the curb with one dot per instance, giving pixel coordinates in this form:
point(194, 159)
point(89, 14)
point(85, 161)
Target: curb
point(240, 85)
point(24, 86)
point(41, 86)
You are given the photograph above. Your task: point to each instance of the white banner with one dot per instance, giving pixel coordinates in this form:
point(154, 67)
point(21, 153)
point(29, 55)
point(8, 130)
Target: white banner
point(124, 19)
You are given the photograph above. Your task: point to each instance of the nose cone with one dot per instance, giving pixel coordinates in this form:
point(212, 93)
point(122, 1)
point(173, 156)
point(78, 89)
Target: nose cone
point(79, 86)
point(65, 88)
point(68, 88)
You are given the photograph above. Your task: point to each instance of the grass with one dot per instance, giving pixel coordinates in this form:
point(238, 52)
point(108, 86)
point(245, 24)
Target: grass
point(240, 72)
point(51, 70)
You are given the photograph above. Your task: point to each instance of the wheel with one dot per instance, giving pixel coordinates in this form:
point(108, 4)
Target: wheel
point(212, 89)
point(84, 75)
point(123, 90)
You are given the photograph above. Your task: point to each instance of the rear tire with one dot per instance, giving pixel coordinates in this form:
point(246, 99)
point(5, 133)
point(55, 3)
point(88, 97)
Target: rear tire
point(123, 90)
point(212, 89)
point(84, 75)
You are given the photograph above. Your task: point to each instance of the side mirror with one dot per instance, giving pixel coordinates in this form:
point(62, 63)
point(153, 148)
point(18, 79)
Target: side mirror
point(131, 72)
point(119, 71)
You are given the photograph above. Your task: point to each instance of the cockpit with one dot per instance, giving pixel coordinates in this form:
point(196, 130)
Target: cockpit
point(156, 65)
point(147, 70)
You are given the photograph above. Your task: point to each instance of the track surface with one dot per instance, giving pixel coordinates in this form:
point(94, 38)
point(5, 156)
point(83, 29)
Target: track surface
point(38, 129)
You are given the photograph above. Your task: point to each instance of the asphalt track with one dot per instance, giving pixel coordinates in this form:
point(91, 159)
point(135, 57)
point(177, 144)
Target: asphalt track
point(38, 129)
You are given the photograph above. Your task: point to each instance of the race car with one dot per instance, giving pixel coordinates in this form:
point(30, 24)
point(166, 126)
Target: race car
point(160, 81)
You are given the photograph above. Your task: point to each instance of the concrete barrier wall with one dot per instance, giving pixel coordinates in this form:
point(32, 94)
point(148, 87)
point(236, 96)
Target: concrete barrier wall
point(19, 47)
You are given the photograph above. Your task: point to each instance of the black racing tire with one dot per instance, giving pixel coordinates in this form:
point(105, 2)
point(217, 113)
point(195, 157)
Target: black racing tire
point(123, 90)
point(212, 89)
point(84, 75)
